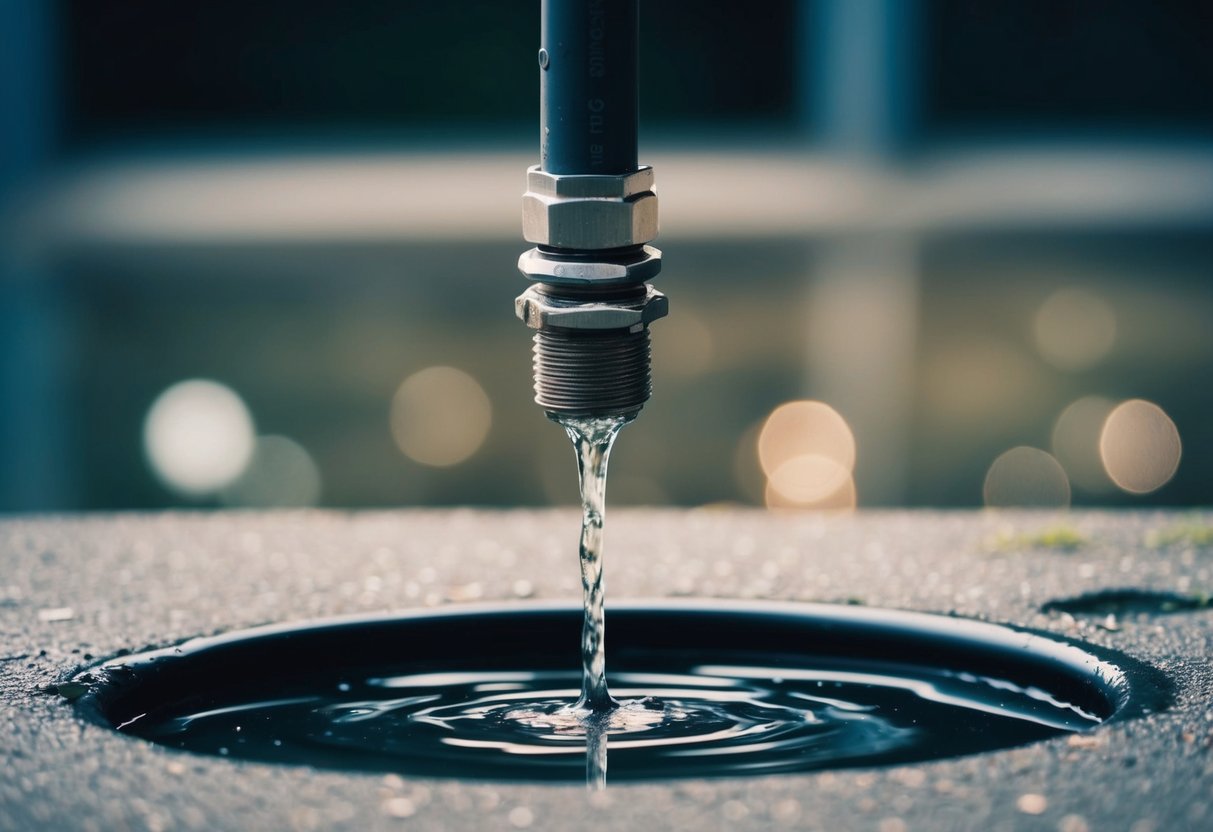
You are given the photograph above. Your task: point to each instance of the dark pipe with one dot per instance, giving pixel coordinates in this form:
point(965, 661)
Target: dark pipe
point(588, 86)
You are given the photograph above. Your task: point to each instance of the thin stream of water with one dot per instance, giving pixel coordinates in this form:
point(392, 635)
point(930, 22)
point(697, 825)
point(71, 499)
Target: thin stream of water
point(592, 439)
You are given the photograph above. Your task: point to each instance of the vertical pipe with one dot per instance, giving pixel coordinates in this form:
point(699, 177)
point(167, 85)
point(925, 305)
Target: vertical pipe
point(860, 75)
point(589, 86)
point(862, 312)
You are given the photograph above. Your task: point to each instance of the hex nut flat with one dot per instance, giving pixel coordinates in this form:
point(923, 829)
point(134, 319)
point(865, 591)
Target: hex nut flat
point(541, 267)
point(539, 311)
point(590, 212)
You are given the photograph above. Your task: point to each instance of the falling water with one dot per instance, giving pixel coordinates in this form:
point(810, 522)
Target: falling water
point(592, 440)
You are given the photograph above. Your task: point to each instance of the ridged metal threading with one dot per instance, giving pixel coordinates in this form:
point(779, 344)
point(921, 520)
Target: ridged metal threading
point(591, 373)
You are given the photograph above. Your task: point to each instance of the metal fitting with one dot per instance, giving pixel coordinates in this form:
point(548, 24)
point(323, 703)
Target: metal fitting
point(581, 372)
point(560, 270)
point(589, 212)
point(540, 310)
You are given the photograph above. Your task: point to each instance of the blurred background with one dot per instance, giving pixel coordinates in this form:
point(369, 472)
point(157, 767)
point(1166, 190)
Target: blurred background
point(919, 253)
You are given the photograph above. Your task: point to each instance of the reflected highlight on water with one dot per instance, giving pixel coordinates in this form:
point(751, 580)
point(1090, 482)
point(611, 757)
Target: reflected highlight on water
point(695, 721)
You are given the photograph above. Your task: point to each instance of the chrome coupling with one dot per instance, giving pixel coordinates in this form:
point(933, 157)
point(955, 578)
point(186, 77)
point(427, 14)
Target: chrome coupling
point(539, 309)
point(589, 303)
point(589, 212)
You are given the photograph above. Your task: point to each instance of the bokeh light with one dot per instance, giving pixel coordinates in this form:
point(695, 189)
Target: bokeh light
point(198, 437)
point(807, 478)
point(1026, 477)
point(807, 452)
point(805, 428)
point(1076, 442)
point(281, 474)
point(1074, 329)
point(440, 416)
point(811, 481)
point(1139, 446)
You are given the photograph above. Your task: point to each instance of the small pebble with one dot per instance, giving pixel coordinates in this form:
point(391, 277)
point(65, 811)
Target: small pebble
point(1032, 804)
point(399, 807)
point(56, 614)
point(72, 691)
point(521, 817)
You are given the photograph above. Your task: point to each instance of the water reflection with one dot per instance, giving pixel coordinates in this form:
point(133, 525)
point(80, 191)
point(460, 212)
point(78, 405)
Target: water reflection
point(596, 752)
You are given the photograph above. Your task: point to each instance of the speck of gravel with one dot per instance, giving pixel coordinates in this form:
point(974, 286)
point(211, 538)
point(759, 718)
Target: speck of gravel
point(1032, 804)
point(521, 817)
point(399, 807)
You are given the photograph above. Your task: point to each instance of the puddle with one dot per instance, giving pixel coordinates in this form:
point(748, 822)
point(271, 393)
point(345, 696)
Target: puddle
point(1122, 602)
point(707, 690)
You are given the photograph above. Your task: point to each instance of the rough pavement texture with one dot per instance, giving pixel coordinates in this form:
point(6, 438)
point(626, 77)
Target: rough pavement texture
point(74, 590)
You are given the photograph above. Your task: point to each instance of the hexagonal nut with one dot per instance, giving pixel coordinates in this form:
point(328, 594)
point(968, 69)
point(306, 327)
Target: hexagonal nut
point(590, 212)
point(542, 183)
point(538, 311)
point(545, 268)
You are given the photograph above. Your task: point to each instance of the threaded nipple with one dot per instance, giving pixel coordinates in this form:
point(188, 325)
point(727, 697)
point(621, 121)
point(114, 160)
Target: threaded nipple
point(592, 372)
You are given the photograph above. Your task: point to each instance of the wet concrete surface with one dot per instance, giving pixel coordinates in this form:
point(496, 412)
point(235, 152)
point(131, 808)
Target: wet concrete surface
point(76, 590)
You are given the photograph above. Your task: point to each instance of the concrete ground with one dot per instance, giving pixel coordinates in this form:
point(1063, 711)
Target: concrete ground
point(74, 590)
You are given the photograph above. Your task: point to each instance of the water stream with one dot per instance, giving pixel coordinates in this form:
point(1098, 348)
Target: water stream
point(592, 440)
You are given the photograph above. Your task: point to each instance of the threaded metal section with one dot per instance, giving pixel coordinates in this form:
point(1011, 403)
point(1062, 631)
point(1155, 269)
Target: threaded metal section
point(591, 373)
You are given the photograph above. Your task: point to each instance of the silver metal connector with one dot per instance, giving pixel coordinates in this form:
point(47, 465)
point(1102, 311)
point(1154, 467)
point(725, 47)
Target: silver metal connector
point(589, 303)
point(563, 269)
point(588, 213)
point(540, 309)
